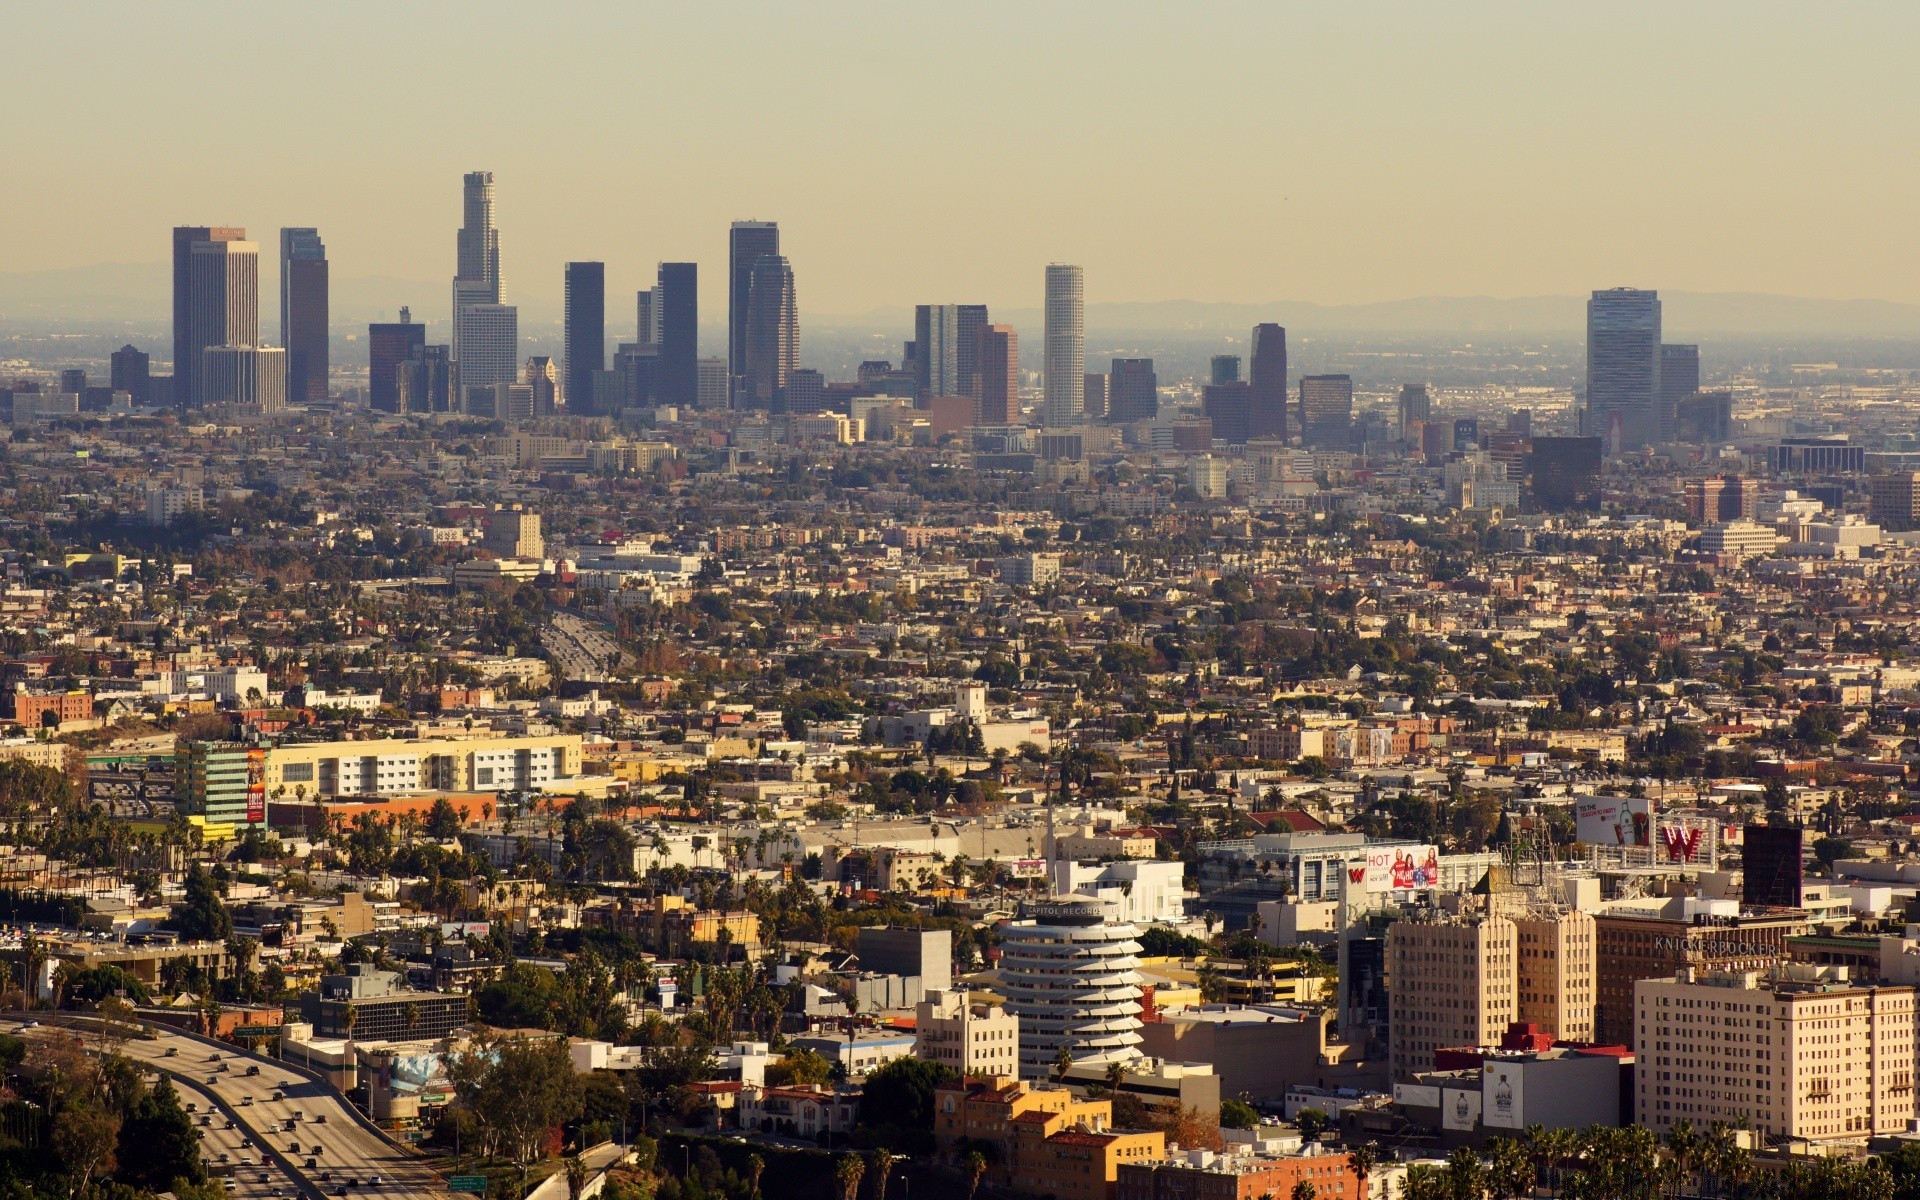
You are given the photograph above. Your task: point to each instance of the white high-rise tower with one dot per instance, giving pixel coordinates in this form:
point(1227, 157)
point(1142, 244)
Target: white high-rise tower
point(1073, 979)
point(1066, 346)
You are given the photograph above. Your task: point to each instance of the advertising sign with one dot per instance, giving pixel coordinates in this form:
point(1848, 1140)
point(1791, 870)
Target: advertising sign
point(1397, 869)
point(1416, 1095)
point(1683, 844)
point(1459, 1110)
point(256, 785)
point(1614, 820)
point(1503, 1094)
point(1028, 868)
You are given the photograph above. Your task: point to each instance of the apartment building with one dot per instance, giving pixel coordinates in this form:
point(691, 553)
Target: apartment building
point(973, 1039)
point(399, 767)
point(1047, 1141)
point(1207, 1175)
point(1454, 978)
point(1800, 1053)
point(1555, 973)
point(1657, 942)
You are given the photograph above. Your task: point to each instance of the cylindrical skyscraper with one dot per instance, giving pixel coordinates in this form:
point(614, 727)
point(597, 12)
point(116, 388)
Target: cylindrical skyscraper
point(1073, 979)
point(1066, 364)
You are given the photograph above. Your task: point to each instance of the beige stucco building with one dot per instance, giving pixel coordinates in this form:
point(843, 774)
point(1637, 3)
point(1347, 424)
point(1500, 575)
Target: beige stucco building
point(1555, 976)
point(1454, 978)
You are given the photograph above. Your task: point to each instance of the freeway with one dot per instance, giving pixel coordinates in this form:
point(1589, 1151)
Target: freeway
point(583, 651)
point(308, 1131)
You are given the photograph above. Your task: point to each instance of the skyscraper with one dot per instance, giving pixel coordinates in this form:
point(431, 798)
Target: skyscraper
point(476, 278)
point(1093, 396)
point(186, 354)
point(490, 354)
point(747, 243)
point(936, 350)
point(773, 332)
point(584, 330)
point(1415, 405)
point(1326, 411)
point(545, 383)
point(1679, 380)
point(646, 318)
point(128, 373)
point(1229, 405)
point(1623, 368)
point(224, 308)
point(1072, 977)
point(1268, 376)
point(388, 345)
point(676, 305)
point(968, 321)
point(998, 356)
point(1066, 349)
point(247, 377)
point(303, 314)
point(1133, 392)
point(713, 384)
point(1223, 368)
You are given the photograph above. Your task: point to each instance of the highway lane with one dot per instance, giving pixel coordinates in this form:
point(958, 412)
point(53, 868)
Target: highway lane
point(303, 1122)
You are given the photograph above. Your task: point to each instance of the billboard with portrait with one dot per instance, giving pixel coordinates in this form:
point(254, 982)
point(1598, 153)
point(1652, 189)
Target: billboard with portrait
point(1614, 820)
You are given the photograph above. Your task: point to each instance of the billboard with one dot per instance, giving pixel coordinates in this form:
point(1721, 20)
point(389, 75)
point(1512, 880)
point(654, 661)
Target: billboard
point(1416, 1095)
point(256, 785)
point(1503, 1096)
point(1772, 872)
point(1614, 820)
point(1028, 868)
point(1682, 842)
point(1397, 869)
point(1459, 1109)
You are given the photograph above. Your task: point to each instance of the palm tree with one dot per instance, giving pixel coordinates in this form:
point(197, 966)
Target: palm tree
point(1304, 1190)
point(1684, 1143)
point(1465, 1175)
point(1362, 1158)
point(975, 1165)
point(755, 1165)
point(1510, 1172)
point(1062, 1059)
point(880, 1163)
point(846, 1173)
point(576, 1177)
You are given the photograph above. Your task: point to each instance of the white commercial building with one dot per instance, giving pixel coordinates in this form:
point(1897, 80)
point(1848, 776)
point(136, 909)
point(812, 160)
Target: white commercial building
point(1072, 977)
point(1066, 346)
point(973, 1039)
point(1139, 892)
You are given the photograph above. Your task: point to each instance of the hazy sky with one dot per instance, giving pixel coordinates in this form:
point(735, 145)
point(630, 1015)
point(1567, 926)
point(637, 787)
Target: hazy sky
point(917, 152)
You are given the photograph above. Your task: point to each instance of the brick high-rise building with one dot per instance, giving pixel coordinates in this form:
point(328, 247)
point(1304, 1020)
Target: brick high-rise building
point(390, 343)
point(1659, 943)
point(304, 314)
point(998, 357)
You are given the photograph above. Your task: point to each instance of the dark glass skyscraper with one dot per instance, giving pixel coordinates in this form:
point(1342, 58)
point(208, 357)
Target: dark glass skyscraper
point(584, 332)
point(186, 355)
point(773, 332)
point(129, 373)
point(676, 301)
point(1415, 405)
point(1133, 391)
point(1229, 406)
point(1223, 368)
point(1679, 380)
point(1623, 367)
point(303, 314)
point(997, 352)
point(747, 243)
point(969, 320)
point(1267, 377)
point(1326, 411)
point(388, 345)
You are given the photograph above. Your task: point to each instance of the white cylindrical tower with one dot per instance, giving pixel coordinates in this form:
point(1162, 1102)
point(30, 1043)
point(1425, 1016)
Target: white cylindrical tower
point(1072, 978)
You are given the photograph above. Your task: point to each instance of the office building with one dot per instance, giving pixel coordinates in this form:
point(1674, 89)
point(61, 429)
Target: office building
point(1268, 376)
point(476, 279)
point(676, 307)
point(936, 345)
point(1326, 411)
point(514, 533)
point(388, 345)
point(969, 320)
point(584, 332)
point(806, 391)
point(1564, 473)
point(1623, 368)
point(1679, 382)
point(487, 346)
point(923, 954)
point(747, 243)
point(1455, 983)
point(1555, 956)
point(129, 373)
point(424, 383)
point(368, 1004)
point(250, 378)
point(1773, 865)
point(186, 351)
point(1820, 454)
point(1720, 498)
point(1416, 407)
point(1133, 391)
point(220, 781)
point(1894, 502)
point(1223, 368)
point(1799, 1053)
point(1230, 407)
point(543, 380)
point(773, 332)
point(971, 1039)
point(1739, 540)
point(224, 303)
point(1665, 937)
point(1093, 396)
point(1073, 980)
point(998, 359)
point(646, 314)
point(303, 314)
point(1064, 383)
point(714, 385)
point(636, 376)
point(1705, 417)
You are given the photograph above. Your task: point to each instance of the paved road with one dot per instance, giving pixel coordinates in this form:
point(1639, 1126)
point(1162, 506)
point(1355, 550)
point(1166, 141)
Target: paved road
point(582, 650)
point(284, 1111)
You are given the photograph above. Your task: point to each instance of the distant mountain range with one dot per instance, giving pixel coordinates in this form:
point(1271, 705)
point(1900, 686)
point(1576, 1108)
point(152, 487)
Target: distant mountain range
point(114, 293)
